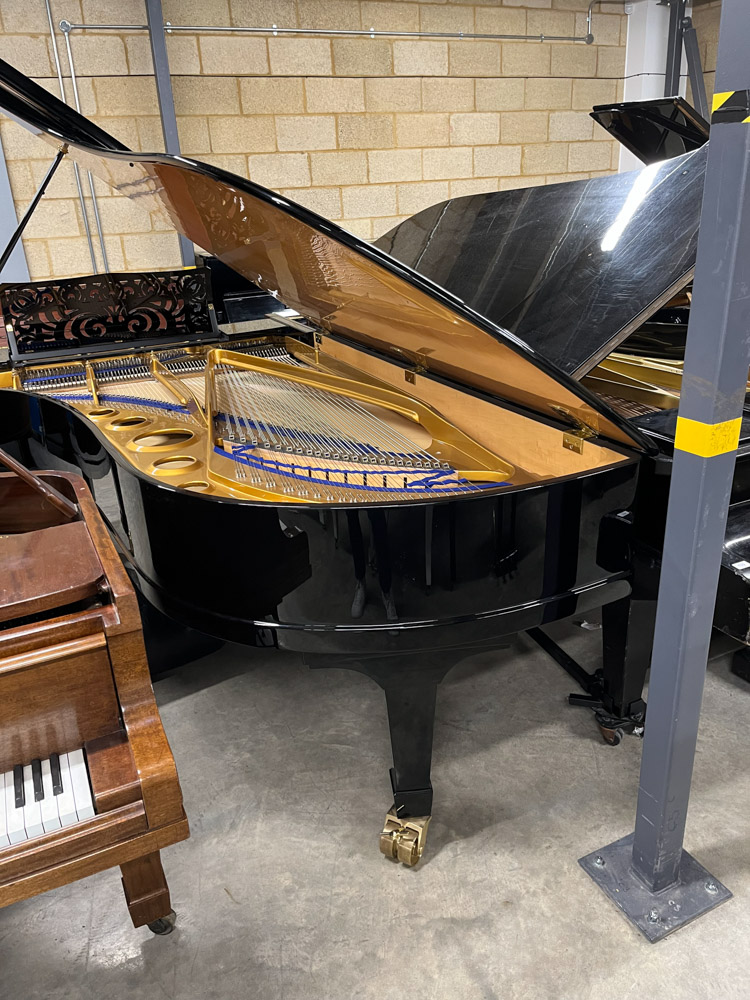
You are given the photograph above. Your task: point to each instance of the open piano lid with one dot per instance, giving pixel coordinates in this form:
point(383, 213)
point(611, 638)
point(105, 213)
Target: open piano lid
point(346, 286)
point(654, 130)
point(572, 269)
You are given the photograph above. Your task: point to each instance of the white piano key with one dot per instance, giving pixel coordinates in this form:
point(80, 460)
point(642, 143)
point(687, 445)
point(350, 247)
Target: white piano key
point(66, 805)
point(32, 814)
point(13, 817)
point(79, 776)
point(48, 805)
point(4, 839)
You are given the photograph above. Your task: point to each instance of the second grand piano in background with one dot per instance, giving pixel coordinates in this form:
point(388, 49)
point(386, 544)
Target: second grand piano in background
point(250, 488)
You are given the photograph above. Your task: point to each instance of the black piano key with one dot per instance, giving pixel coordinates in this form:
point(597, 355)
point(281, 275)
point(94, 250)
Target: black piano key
point(54, 766)
point(18, 786)
point(36, 777)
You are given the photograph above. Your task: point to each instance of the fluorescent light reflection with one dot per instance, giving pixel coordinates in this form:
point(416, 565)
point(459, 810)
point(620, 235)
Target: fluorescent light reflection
point(635, 198)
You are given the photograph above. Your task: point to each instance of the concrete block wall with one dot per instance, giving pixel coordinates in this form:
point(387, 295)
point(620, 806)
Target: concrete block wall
point(706, 22)
point(363, 131)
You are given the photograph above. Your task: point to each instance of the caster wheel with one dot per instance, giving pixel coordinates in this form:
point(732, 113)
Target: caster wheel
point(404, 841)
point(164, 925)
point(613, 737)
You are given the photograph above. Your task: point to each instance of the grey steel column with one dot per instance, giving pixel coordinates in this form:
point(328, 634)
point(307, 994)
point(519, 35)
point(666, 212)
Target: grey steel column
point(16, 270)
point(165, 97)
point(674, 48)
point(657, 883)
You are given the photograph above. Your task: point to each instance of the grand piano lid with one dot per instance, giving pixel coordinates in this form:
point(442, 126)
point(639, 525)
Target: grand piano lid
point(572, 269)
point(343, 284)
point(654, 130)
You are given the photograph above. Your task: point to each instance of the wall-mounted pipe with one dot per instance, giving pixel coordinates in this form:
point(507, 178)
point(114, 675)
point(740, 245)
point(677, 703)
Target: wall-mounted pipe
point(76, 171)
point(328, 32)
point(94, 202)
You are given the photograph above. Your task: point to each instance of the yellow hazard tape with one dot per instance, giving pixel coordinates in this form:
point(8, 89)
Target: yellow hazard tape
point(730, 106)
point(707, 440)
point(721, 99)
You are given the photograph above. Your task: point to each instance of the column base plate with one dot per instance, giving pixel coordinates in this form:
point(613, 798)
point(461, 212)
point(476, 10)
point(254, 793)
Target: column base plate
point(655, 914)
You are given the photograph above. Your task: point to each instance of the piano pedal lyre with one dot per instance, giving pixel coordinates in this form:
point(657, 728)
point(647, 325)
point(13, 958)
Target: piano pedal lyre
point(404, 839)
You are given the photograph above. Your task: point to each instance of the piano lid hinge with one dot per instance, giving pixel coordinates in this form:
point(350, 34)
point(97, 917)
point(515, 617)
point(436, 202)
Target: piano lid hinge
point(419, 368)
point(574, 440)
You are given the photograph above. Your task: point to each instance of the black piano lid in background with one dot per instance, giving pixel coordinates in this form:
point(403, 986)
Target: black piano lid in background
point(340, 282)
point(654, 130)
point(570, 268)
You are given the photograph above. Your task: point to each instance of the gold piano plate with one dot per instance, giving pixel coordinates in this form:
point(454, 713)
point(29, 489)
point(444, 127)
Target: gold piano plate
point(278, 420)
point(308, 435)
point(279, 430)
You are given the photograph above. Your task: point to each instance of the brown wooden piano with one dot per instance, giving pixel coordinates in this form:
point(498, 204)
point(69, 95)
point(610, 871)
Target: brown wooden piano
point(87, 778)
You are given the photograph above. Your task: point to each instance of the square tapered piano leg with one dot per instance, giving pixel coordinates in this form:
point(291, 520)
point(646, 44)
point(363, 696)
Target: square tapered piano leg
point(147, 893)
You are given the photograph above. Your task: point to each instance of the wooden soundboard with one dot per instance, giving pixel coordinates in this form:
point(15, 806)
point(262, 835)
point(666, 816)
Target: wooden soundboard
point(87, 777)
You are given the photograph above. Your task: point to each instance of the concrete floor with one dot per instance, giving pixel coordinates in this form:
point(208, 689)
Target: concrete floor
point(281, 891)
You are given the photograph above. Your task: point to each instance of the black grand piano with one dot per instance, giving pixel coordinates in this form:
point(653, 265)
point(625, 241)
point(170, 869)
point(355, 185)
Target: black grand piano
point(368, 461)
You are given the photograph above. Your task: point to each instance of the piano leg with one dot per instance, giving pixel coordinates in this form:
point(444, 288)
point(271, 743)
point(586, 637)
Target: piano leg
point(614, 692)
point(147, 893)
point(411, 719)
point(410, 685)
point(627, 634)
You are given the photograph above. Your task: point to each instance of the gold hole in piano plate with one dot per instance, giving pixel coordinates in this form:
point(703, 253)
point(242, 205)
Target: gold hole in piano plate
point(169, 437)
point(197, 486)
point(102, 411)
point(123, 423)
point(174, 465)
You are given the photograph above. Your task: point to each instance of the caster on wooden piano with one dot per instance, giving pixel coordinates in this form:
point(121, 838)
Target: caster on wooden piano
point(164, 925)
point(404, 840)
point(147, 894)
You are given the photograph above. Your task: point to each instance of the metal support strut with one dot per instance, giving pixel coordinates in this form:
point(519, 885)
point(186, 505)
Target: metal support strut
point(648, 875)
point(674, 47)
point(682, 33)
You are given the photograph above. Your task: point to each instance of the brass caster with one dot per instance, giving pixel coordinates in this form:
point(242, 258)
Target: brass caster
point(404, 840)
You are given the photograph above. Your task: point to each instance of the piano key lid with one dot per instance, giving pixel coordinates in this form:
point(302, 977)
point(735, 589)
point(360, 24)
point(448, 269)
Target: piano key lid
point(341, 284)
